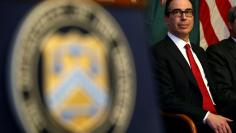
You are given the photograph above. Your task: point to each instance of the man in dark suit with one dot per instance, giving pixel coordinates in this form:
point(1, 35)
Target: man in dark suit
point(181, 72)
point(222, 59)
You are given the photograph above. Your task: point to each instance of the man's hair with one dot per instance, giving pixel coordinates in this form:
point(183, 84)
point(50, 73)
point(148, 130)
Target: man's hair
point(232, 14)
point(168, 4)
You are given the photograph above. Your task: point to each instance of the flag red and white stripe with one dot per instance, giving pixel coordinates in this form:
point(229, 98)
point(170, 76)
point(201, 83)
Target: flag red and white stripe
point(213, 21)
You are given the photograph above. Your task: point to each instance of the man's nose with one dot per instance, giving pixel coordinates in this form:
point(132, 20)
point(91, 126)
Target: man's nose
point(183, 15)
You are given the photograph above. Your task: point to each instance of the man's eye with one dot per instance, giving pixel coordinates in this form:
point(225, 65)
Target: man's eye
point(176, 11)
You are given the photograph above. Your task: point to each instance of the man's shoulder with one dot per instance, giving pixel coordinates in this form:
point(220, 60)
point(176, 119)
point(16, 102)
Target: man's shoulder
point(160, 44)
point(197, 48)
point(223, 44)
point(159, 49)
point(226, 41)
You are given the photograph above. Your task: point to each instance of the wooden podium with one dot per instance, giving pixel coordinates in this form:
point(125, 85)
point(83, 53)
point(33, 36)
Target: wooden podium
point(124, 3)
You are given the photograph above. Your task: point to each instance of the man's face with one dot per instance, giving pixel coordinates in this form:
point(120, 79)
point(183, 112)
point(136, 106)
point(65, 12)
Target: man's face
point(179, 23)
point(232, 27)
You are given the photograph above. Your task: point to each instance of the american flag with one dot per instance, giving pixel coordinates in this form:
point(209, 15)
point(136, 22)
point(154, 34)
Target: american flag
point(213, 21)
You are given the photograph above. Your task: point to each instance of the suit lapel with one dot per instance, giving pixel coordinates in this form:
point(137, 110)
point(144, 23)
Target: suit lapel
point(203, 62)
point(201, 59)
point(177, 55)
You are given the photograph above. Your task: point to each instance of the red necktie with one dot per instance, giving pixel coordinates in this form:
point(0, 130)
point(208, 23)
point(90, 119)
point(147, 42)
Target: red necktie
point(207, 102)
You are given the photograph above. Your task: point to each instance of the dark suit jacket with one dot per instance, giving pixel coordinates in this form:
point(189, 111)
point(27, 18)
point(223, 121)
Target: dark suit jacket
point(222, 59)
point(177, 87)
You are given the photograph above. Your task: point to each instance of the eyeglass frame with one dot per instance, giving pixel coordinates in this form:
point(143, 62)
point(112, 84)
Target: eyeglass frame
point(178, 12)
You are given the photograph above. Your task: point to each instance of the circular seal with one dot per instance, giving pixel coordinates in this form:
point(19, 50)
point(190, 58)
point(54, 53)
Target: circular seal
point(71, 70)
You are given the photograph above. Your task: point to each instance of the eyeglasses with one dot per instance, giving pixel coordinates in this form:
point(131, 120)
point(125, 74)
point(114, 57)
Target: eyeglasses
point(178, 12)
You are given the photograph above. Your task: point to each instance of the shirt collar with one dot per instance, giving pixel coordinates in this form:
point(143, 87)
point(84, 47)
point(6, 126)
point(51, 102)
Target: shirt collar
point(233, 39)
point(178, 42)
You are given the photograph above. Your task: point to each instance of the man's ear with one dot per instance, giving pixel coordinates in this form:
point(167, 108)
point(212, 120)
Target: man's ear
point(166, 20)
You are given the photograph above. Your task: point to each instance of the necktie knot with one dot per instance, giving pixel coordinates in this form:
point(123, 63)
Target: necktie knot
point(187, 46)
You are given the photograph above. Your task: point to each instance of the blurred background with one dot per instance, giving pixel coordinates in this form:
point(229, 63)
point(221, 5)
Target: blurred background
point(135, 19)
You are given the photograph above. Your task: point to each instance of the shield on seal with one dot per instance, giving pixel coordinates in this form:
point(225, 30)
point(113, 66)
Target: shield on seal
point(75, 78)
